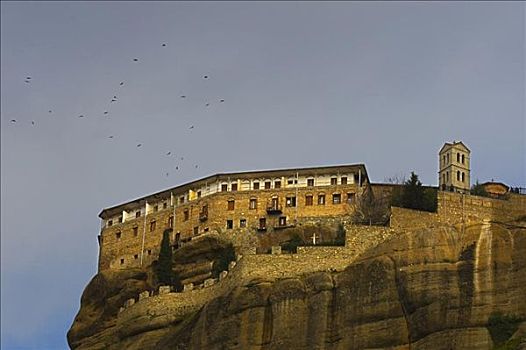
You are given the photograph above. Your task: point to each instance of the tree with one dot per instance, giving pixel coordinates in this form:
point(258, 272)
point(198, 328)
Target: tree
point(164, 268)
point(478, 190)
point(413, 193)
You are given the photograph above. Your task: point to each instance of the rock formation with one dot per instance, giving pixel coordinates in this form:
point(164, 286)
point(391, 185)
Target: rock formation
point(424, 288)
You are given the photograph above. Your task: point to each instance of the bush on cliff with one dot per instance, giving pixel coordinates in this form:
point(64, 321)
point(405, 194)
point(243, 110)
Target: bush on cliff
point(412, 195)
point(223, 259)
point(501, 327)
point(164, 266)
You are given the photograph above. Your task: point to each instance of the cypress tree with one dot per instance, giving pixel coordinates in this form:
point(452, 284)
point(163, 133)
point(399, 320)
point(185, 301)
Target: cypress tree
point(164, 269)
point(413, 193)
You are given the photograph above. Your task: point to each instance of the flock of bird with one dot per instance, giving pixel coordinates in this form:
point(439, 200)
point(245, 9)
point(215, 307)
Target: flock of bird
point(28, 80)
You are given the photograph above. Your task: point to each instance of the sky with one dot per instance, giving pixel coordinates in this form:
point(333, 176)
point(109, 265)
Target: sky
point(303, 83)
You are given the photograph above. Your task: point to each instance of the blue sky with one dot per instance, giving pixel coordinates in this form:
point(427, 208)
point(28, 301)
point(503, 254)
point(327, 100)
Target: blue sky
point(304, 84)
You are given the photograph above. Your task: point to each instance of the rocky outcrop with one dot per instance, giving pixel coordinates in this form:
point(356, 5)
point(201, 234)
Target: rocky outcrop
point(426, 288)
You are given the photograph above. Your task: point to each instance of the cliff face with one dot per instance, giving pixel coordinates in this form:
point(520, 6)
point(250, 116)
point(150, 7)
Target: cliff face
point(430, 288)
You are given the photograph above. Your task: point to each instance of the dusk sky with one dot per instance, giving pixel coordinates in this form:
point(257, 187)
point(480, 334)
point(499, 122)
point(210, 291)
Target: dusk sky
point(304, 84)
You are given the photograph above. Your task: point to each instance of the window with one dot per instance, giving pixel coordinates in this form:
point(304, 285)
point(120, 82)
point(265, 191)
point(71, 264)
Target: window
point(462, 159)
point(156, 208)
point(447, 175)
point(334, 180)
point(336, 198)
point(186, 215)
point(458, 157)
point(118, 235)
point(181, 200)
point(233, 187)
point(253, 204)
point(229, 224)
point(262, 223)
point(149, 252)
point(290, 182)
point(224, 187)
point(255, 185)
point(308, 200)
point(443, 178)
point(138, 214)
point(321, 199)
point(135, 231)
point(231, 204)
point(282, 221)
point(447, 158)
point(277, 184)
point(310, 182)
point(290, 201)
point(198, 194)
point(110, 223)
point(136, 256)
point(267, 185)
point(171, 222)
point(122, 261)
point(196, 230)
point(462, 176)
point(350, 197)
point(165, 205)
point(344, 180)
point(152, 226)
point(120, 219)
point(458, 175)
point(243, 223)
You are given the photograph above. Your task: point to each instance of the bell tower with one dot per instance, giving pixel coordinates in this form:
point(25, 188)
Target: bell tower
point(454, 167)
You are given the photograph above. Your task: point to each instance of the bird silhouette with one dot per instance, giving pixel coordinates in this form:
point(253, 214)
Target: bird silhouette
point(13, 120)
point(32, 122)
point(50, 111)
point(81, 116)
point(207, 104)
point(196, 166)
point(167, 174)
point(121, 83)
point(113, 100)
point(105, 112)
point(28, 78)
point(110, 137)
point(27, 81)
point(182, 158)
point(139, 145)
point(192, 127)
point(135, 60)
point(176, 168)
point(221, 100)
point(163, 45)
point(183, 96)
point(168, 153)
point(205, 77)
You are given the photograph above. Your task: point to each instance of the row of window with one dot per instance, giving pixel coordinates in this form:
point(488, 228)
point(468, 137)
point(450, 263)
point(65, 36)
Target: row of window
point(277, 184)
point(460, 158)
point(138, 213)
point(136, 256)
point(282, 221)
point(153, 225)
point(460, 176)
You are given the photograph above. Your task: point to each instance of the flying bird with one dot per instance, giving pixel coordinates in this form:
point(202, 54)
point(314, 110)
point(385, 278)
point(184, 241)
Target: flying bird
point(221, 100)
point(183, 96)
point(139, 145)
point(205, 77)
point(207, 104)
point(81, 116)
point(135, 60)
point(110, 137)
point(121, 83)
point(168, 153)
point(105, 112)
point(182, 158)
point(13, 120)
point(167, 174)
point(28, 78)
point(176, 168)
point(32, 122)
point(50, 111)
point(27, 81)
point(192, 127)
point(196, 166)
point(163, 45)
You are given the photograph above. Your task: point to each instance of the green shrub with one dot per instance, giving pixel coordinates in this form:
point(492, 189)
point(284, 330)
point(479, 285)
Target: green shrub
point(501, 327)
point(223, 259)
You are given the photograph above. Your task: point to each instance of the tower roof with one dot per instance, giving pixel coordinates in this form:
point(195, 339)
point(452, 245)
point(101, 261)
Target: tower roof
point(448, 145)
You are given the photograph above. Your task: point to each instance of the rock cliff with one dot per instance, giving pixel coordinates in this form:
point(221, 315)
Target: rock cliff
point(426, 288)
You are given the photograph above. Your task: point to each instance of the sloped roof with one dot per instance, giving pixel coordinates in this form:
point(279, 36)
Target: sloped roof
point(133, 204)
point(455, 143)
